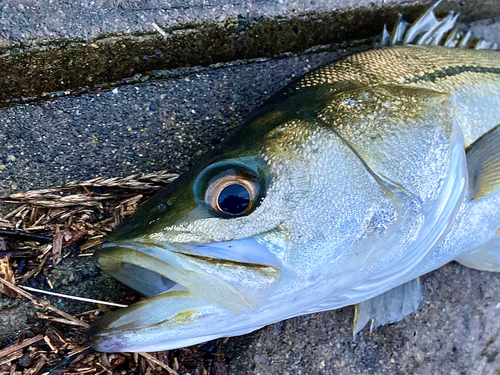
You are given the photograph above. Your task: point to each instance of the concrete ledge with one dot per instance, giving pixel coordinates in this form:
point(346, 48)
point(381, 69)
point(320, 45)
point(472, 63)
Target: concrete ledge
point(55, 46)
point(35, 21)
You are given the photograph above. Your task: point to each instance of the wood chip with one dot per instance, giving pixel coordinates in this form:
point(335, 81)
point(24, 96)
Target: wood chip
point(11, 357)
point(14, 212)
point(38, 366)
point(33, 215)
point(5, 224)
point(176, 364)
point(88, 245)
point(7, 274)
point(13, 348)
point(57, 246)
point(149, 357)
point(104, 368)
point(36, 271)
point(49, 343)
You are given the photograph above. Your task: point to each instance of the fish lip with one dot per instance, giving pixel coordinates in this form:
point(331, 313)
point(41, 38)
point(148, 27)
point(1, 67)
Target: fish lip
point(246, 250)
point(104, 342)
point(249, 251)
point(205, 323)
point(245, 283)
point(109, 334)
point(138, 326)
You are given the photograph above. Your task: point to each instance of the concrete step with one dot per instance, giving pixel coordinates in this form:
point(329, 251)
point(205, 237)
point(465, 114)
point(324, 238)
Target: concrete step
point(52, 46)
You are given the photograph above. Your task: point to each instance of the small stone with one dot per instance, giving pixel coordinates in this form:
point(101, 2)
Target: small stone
point(15, 51)
point(25, 360)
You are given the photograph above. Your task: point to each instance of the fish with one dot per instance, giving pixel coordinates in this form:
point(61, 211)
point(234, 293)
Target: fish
point(343, 189)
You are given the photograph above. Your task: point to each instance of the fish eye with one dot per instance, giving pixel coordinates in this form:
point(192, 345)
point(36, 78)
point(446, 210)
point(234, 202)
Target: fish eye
point(232, 194)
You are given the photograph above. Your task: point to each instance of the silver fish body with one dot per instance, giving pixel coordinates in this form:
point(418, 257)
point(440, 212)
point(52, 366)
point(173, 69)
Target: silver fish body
point(348, 183)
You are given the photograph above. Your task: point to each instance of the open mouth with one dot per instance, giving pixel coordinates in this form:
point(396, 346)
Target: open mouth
point(187, 285)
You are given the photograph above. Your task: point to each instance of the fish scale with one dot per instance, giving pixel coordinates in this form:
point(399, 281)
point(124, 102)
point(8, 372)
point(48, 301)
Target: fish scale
point(472, 75)
point(404, 64)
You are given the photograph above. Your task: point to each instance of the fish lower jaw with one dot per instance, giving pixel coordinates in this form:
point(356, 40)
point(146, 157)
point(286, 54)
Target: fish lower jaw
point(191, 296)
point(170, 320)
point(141, 326)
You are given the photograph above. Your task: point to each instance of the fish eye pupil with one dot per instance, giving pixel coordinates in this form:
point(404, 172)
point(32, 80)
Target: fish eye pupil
point(231, 192)
point(234, 199)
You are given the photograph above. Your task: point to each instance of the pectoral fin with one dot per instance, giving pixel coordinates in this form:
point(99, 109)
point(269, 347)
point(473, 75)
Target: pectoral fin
point(484, 258)
point(483, 164)
point(388, 307)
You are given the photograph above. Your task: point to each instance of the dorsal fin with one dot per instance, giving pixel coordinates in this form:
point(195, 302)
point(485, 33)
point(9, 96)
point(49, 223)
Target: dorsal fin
point(429, 30)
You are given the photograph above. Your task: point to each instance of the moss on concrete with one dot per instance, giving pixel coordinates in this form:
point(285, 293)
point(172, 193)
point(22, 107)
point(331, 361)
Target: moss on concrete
point(30, 72)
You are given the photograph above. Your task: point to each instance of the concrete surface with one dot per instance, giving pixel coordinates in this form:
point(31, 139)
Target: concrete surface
point(173, 117)
point(43, 20)
point(151, 126)
point(59, 47)
point(38, 68)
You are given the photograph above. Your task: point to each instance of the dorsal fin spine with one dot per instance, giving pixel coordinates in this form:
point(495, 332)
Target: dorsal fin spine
point(429, 30)
point(399, 31)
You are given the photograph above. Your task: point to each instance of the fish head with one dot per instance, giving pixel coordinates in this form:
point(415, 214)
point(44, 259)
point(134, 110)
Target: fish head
point(251, 236)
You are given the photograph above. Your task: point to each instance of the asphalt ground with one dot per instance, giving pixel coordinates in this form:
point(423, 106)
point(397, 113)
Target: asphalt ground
point(25, 21)
point(160, 124)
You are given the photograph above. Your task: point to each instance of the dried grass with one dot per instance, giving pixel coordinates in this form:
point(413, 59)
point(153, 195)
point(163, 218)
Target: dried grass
point(45, 226)
point(83, 213)
point(6, 273)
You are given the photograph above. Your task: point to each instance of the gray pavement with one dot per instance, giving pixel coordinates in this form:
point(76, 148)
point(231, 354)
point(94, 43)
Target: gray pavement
point(455, 331)
point(167, 118)
point(47, 20)
point(143, 127)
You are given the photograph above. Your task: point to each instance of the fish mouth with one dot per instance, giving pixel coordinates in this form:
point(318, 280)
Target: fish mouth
point(194, 290)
